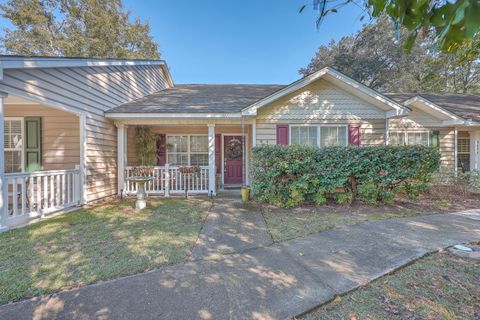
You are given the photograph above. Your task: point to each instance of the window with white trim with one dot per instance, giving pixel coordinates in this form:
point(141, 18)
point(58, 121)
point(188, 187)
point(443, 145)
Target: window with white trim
point(187, 150)
point(319, 135)
point(13, 139)
point(305, 135)
point(409, 138)
point(333, 136)
point(463, 153)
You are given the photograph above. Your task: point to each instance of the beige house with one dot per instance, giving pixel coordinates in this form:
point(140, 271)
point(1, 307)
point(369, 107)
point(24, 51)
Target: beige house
point(69, 128)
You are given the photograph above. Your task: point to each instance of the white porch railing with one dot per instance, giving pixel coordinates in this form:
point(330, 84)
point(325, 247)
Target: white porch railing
point(31, 194)
point(169, 180)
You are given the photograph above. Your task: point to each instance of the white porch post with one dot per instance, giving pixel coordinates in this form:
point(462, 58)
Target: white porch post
point(254, 133)
point(3, 185)
point(83, 159)
point(120, 158)
point(475, 150)
point(211, 159)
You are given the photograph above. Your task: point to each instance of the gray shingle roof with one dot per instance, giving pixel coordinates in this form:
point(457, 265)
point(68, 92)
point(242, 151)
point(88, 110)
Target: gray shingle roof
point(466, 106)
point(199, 98)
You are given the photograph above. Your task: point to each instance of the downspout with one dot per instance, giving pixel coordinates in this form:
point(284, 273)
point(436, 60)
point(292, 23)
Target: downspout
point(244, 176)
point(387, 135)
point(456, 151)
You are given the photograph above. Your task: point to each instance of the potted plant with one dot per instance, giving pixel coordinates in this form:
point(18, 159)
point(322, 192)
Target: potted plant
point(245, 193)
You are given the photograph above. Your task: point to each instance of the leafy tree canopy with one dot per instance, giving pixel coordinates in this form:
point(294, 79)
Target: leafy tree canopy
point(375, 57)
point(79, 28)
point(454, 23)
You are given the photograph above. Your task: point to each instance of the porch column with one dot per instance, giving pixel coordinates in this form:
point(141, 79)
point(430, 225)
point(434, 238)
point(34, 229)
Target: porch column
point(211, 159)
point(83, 159)
point(3, 185)
point(254, 133)
point(475, 150)
point(120, 159)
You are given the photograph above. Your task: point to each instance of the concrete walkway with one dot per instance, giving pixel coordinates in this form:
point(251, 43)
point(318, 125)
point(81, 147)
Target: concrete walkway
point(274, 282)
point(230, 227)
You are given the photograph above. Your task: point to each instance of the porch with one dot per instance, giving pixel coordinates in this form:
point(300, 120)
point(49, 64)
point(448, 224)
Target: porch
point(41, 160)
point(190, 158)
point(467, 149)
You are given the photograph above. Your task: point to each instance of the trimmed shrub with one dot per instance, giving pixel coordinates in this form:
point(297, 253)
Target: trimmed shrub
point(292, 175)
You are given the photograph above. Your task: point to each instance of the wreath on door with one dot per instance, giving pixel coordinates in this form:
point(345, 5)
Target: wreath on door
point(234, 149)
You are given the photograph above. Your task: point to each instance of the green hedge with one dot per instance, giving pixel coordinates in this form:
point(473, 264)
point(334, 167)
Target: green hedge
point(291, 175)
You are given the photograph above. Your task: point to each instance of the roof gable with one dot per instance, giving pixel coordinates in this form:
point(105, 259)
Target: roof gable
point(320, 100)
point(393, 108)
point(459, 108)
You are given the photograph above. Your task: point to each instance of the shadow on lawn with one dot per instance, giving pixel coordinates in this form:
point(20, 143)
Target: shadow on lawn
point(95, 244)
point(264, 283)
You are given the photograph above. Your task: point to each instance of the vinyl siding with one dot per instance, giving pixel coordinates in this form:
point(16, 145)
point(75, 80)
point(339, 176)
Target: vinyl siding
point(447, 147)
point(60, 134)
point(415, 120)
point(89, 90)
point(318, 101)
point(321, 103)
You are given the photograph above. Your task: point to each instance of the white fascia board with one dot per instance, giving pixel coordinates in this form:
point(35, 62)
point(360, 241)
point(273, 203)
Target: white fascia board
point(252, 109)
point(173, 115)
point(396, 113)
point(433, 106)
point(43, 62)
point(453, 122)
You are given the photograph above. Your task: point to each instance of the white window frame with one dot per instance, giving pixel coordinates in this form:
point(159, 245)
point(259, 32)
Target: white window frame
point(22, 132)
point(318, 126)
point(464, 153)
point(189, 152)
point(406, 133)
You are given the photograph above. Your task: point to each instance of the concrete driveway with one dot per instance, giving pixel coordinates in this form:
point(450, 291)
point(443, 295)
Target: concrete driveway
point(272, 282)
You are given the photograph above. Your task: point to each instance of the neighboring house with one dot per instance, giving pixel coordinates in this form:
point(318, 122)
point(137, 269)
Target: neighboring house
point(69, 127)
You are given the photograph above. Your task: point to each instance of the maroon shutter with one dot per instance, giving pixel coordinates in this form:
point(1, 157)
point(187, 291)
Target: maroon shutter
point(161, 150)
point(282, 134)
point(354, 135)
point(218, 152)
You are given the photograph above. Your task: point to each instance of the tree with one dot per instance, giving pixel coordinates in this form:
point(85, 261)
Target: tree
point(453, 23)
point(80, 28)
point(374, 57)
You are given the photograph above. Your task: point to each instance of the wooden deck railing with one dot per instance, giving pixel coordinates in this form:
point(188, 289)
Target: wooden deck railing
point(28, 195)
point(169, 180)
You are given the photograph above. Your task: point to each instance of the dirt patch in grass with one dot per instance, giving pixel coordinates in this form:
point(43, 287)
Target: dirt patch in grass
point(290, 223)
point(440, 286)
point(102, 242)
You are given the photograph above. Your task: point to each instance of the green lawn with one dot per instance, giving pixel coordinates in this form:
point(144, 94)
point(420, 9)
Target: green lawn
point(103, 242)
point(440, 286)
point(286, 224)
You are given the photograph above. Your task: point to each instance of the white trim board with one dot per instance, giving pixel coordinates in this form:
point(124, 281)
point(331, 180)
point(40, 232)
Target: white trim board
point(146, 115)
point(398, 109)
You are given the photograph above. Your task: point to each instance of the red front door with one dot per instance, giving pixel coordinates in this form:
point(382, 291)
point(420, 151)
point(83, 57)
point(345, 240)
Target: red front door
point(232, 153)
